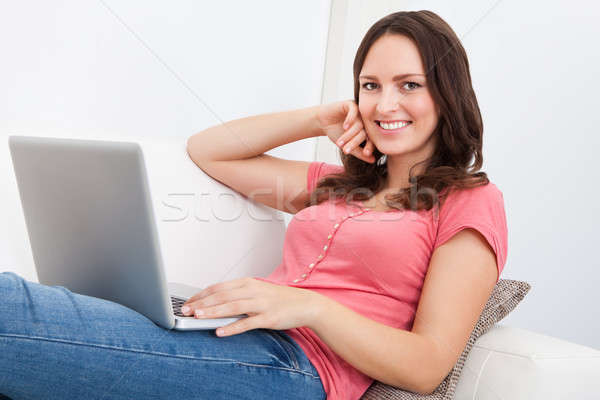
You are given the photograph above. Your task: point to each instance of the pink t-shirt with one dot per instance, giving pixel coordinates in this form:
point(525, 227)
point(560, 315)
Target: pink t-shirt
point(374, 262)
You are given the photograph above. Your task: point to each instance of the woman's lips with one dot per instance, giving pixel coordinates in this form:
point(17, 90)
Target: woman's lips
point(392, 131)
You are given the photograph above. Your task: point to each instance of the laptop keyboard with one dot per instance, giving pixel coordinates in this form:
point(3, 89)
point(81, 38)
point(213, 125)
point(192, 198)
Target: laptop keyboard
point(177, 303)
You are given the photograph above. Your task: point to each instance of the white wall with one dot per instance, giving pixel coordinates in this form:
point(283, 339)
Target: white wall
point(148, 68)
point(534, 68)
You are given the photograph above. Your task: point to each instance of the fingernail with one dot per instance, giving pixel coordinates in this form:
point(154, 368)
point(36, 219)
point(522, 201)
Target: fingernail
point(185, 309)
point(345, 125)
point(340, 142)
point(199, 312)
point(347, 149)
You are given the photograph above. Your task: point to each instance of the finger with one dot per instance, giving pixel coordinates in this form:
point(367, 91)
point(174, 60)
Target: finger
point(358, 152)
point(215, 299)
point(217, 287)
point(229, 309)
point(355, 140)
point(351, 115)
point(195, 297)
point(223, 297)
point(243, 325)
point(349, 134)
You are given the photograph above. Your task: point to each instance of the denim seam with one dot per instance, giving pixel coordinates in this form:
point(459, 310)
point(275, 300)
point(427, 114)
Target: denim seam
point(155, 353)
point(289, 348)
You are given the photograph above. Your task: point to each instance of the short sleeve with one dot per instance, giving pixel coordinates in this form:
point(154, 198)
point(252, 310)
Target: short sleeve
point(480, 208)
point(317, 170)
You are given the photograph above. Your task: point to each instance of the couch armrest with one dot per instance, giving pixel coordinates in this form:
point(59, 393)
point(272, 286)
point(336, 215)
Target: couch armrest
point(514, 363)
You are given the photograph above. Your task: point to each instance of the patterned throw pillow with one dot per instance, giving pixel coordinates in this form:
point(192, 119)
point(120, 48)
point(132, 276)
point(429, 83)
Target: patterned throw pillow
point(504, 298)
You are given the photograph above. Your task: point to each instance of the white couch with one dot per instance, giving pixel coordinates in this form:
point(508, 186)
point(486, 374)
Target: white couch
point(211, 233)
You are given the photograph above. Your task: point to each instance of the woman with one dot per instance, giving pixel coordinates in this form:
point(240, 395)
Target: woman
point(370, 287)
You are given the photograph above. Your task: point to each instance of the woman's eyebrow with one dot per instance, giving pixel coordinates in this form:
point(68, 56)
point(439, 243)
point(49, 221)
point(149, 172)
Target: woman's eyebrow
point(395, 78)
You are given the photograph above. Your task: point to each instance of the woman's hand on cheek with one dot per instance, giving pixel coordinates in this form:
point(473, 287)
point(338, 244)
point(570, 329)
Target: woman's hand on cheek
point(355, 134)
point(342, 123)
point(267, 305)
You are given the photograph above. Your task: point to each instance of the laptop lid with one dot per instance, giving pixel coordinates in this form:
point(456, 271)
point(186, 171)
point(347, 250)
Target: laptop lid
point(90, 220)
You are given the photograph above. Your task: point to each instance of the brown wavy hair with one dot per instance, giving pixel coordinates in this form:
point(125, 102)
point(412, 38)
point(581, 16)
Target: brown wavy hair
point(458, 153)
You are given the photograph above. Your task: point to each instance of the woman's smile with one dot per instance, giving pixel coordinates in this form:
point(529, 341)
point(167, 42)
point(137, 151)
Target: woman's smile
point(392, 128)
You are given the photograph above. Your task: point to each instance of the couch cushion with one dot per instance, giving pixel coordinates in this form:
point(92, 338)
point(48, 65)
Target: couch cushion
point(514, 363)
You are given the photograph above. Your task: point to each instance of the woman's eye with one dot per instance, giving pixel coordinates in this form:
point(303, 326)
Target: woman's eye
point(414, 83)
point(368, 83)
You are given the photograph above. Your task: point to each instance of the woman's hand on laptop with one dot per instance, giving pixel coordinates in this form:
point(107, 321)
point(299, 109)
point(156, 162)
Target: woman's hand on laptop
point(267, 305)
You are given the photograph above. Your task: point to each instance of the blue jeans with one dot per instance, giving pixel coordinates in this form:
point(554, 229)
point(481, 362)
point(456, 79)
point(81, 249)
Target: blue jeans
point(56, 344)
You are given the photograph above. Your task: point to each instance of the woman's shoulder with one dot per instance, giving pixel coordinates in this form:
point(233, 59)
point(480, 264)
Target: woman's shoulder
point(464, 202)
point(323, 168)
point(318, 169)
point(488, 190)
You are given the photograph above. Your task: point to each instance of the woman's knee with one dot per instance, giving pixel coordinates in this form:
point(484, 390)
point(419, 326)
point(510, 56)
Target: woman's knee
point(11, 287)
point(33, 309)
point(17, 304)
point(8, 279)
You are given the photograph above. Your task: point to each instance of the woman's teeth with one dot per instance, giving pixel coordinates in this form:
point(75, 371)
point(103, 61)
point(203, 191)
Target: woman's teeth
point(394, 125)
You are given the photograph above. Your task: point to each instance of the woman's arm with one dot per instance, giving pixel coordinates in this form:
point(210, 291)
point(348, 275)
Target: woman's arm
point(232, 154)
point(252, 136)
point(393, 356)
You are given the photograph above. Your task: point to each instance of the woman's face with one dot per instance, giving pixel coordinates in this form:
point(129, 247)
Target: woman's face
point(407, 99)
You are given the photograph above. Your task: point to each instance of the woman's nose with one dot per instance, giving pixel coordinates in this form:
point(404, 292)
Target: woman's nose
point(389, 103)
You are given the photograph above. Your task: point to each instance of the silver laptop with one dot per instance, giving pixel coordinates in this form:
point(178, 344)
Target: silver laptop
point(92, 228)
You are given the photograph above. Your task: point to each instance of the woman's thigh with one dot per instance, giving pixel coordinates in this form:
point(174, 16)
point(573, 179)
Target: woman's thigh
point(56, 344)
